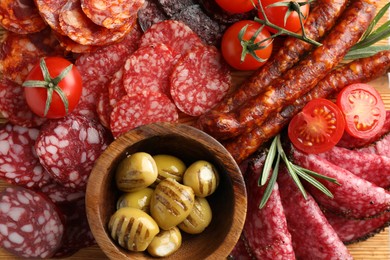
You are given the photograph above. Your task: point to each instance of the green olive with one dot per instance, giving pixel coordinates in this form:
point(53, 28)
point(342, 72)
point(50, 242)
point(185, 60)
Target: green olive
point(171, 203)
point(132, 228)
point(137, 199)
point(199, 218)
point(202, 177)
point(165, 243)
point(136, 172)
point(169, 166)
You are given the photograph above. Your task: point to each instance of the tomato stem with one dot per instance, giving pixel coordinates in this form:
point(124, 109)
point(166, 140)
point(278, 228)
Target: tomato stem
point(51, 85)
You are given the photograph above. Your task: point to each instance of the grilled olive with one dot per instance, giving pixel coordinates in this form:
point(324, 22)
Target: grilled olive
point(199, 218)
point(137, 199)
point(169, 166)
point(136, 172)
point(165, 243)
point(132, 228)
point(171, 203)
point(202, 177)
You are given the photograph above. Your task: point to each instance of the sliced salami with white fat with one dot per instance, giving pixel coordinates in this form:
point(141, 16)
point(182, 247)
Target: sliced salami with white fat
point(21, 17)
point(178, 36)
point(149, 68)
point(18, 162)
point(57, 193)
point(199, 80)
point(380, 147)
point(13, 105)
point(69, 147)
point(104, 109)
point(30, 224)
point(116, 90)
point(140, 109)
point(111, 14)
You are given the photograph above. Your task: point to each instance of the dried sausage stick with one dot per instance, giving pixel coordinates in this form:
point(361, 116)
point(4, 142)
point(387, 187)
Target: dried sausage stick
point(361, 70)
point(301, 78)
point(320, 20)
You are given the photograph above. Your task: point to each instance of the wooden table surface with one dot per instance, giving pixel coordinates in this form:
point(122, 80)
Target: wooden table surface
point(376, 247)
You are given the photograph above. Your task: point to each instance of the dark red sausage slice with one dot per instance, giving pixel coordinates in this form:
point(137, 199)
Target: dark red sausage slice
point(172, 7)
point(353, 198)
point(311, 233)
point(30, 224)
point(18, 162)
point(380, 147)
point(21, 17)
point(149, 14)
point(69, 147)
point(199, 80)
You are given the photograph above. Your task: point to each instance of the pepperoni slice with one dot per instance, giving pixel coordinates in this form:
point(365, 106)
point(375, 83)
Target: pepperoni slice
point(21, 17)
point(178, 36)
point(149, 14)
point(69, 147)
point(50, 12)
point(199, 80)
point(111, 14)
point(149, 68)
point(77, 26)
point(30, 224)
point(18, 162)
point(140, 109)
point(13, 105)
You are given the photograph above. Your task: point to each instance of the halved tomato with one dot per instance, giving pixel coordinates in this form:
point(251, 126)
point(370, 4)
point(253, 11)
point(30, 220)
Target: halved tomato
point(363, 109)
point(318, 127)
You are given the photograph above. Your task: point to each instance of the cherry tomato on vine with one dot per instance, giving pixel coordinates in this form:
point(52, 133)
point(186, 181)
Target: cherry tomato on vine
point(283, 14)
point(232, 48)
point(236, 6)
point(363, 109)
point(53, 87)
point(318, 127)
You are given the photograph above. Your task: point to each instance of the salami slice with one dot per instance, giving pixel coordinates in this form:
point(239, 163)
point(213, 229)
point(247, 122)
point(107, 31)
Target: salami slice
point(116, 90)
point(371, 167)
point(178, 36)
point(19, 53)
point(149, 14)
point(380, 147)
point(21, 17)
point(206, 28)
point(241, 251)
point(77, 26)
point(266, 228)
point(18, 162)
point(111, 14)
point(349, 141)
point(104, 109)
point(312, 235)
point(77, 234)
point(149, 68)
point(30, 225)
point(13, 105)
point(353, 198)
point(60, 194)
point(141, 108)
point(68, 148)
point(356, 230)
point(172, 7)
point(200, 80)
point(97, 68)
point(71, 46)
point(50, 12)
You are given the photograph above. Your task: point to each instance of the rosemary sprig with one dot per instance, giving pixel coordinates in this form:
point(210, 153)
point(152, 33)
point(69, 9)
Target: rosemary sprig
point(364, 48)
point(275, 154)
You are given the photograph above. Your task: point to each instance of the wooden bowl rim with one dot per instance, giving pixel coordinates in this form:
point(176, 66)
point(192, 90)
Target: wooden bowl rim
point(142, 133)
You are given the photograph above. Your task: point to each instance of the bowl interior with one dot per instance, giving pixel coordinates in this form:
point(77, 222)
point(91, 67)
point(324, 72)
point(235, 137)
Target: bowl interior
point(228, 203)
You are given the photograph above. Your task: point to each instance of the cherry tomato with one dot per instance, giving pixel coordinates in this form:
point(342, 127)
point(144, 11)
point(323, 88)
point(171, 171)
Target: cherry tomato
point(277, 14)
point(318, 127)
point(38, 88)
point(363, 109)
point(235, 6)
point(232, 48)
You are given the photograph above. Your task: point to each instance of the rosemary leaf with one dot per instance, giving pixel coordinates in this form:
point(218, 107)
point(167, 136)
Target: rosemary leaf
point(376, 19)
point(365, 52)
point(307, 171)
point(314, 182)
point(268, 162)
point(271, 184)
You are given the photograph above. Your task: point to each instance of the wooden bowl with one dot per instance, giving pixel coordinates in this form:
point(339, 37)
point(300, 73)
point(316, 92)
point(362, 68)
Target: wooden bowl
point(228, 203)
